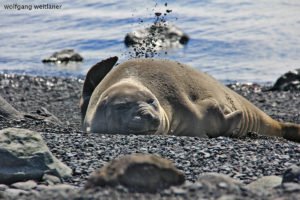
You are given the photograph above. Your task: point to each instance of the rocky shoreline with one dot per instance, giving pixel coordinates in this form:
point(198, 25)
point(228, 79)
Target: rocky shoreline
point(245, 159)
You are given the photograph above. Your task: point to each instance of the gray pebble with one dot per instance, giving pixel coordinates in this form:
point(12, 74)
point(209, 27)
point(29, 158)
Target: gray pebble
point(27, 185)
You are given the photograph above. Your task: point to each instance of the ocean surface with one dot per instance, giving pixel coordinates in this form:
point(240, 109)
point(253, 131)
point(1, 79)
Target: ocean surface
point(234, 41)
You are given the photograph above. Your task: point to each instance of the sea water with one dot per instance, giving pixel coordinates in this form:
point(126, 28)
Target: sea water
point(234, 41)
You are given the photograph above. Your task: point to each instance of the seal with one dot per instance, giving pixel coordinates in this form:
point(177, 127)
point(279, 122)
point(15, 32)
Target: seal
point(154, 96)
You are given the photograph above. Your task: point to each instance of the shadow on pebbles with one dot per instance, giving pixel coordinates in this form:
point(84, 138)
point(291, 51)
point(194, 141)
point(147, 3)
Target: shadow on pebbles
point(254, 167)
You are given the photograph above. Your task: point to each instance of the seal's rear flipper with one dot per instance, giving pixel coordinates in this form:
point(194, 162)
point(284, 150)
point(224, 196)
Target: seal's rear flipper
point(290, 131)
point(93, 78)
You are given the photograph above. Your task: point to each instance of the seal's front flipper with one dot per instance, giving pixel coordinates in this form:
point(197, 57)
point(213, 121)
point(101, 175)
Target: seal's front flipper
point(218, 123)
point(231, 122)
point(290, 131)
point(93, 78)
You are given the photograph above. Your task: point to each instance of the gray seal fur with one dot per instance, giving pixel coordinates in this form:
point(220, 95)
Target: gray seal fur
point(167, 97)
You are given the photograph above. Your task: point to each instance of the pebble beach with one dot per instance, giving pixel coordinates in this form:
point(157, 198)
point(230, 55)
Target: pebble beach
point(245, 159)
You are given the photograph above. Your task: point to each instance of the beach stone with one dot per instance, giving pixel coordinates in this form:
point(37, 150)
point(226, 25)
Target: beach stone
point(214, 181)
point(65, 56)
point(12, 193)
point(27, 185)
point(25, 156)
point(158, 36)
point(292, 174)
point(288, 81)
point(137, 172)
point(61, 187)
point(50, 179)
point(291, 187)
point(3, 187)
point(265, 183)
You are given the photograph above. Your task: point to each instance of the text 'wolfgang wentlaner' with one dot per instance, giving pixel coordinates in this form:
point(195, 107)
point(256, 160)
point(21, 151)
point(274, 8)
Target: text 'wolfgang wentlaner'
point(16, 6)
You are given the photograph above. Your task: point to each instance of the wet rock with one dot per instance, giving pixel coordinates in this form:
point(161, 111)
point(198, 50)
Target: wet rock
point(292, 174)
point(25, 156)
point(159, 36)
point(27, 185)
point(265, 183)
point(64, 56)
point(288, 81)
point(137, 172)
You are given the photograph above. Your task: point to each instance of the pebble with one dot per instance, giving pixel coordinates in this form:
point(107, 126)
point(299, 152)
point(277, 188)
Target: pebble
point(50, 179)
point(178, 191)
point(27, 185)
point(3, 187)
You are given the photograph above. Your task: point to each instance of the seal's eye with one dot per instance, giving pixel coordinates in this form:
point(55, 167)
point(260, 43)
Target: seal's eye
point(152, 102)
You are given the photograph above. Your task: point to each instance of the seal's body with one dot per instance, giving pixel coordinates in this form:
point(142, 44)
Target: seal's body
point(149, 96)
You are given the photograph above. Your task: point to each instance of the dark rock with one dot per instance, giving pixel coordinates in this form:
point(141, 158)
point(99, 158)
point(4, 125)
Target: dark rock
point(288, 81)
point(292, 174)
point(64, 56)
point(25, 156)
point(137, 172)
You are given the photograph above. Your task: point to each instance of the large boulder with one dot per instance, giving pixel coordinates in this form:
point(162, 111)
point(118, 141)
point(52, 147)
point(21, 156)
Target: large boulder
point(137, 172)
point(288, 81)
point(25, 156)
point(7, 111)
point(159, 36)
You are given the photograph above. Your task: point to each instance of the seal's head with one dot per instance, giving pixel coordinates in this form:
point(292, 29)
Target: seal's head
point(127, 107)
